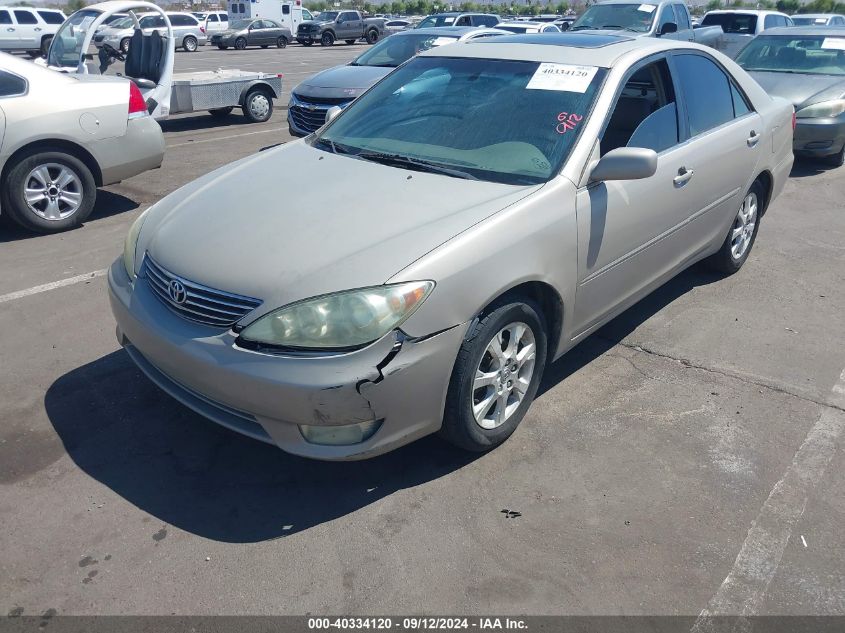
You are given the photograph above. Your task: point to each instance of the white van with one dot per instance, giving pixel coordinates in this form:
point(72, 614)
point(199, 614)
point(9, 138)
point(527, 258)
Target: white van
point(28, 29)
point(288, 14)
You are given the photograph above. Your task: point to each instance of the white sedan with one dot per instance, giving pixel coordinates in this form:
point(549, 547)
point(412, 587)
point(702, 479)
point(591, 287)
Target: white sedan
point(65, 135)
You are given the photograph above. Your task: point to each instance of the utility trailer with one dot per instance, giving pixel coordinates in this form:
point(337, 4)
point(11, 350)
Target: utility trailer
point(149, 64)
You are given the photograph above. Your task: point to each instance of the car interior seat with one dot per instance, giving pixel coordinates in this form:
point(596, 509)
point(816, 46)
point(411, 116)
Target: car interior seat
point(627, 116)
point(144, 60)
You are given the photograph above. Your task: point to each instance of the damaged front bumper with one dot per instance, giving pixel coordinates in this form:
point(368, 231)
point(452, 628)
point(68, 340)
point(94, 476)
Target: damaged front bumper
point(400, 383)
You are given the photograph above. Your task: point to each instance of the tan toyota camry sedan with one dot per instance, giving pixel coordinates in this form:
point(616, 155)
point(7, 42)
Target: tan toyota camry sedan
point(471, 217)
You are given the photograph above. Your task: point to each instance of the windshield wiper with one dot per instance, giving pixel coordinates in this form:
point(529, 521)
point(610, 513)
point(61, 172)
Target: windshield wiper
point(335, 148)
point(583, 26)
point(611, 26)
point(397, 160)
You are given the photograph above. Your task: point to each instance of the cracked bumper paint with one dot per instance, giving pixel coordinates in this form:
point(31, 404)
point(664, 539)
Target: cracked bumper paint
point(267, 397)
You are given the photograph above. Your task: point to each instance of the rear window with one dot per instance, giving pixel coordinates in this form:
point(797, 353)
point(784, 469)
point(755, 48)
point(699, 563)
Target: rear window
point(183, 20)
point(11, 85)
point(52, 17)
point(25, 17)
point(743, 23)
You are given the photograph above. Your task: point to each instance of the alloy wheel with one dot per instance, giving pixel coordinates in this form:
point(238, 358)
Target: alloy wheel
point(743, 228)
point(53, 191)
point(503, 375)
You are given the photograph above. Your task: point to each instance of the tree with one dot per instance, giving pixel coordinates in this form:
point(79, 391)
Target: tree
point(76, 5)
point(788, 6)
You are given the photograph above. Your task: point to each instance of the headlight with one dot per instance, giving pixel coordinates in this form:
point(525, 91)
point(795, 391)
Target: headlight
point(822, 110)
point(131, 244)
point(344, 320)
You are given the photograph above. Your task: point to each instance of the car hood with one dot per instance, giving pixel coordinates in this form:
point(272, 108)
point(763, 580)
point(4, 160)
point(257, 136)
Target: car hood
point(258, 228)
point(341, 81)
point(308, 23)
point(801, 90)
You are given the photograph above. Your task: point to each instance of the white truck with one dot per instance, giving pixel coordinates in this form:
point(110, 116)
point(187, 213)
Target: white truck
point(288, 14)
point(149, 65)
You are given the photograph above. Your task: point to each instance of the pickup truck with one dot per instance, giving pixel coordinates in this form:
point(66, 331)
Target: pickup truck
point(669, 19)
point(331, 26)
point(740, 26)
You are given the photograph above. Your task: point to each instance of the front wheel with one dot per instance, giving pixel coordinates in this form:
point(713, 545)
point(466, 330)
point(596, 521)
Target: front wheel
point(258, 106)
point(282, 42)
point(327, 39)
point(49, 191)
point(190, 44)
point(496, 375)
point(240, 43)
point(742, 234)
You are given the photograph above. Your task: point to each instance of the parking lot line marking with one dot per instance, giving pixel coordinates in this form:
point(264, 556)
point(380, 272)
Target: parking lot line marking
point(52, 285)
point(743, 590)
point(223, 138)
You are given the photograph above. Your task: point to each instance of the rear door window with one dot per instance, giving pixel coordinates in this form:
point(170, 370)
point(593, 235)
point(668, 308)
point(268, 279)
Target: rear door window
point(707, 93)
point(52, 17)
point(5, 18)
point(682, 16)
point(25, 17)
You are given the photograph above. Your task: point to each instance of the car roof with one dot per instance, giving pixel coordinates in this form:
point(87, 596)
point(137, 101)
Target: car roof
point(745, 11)
point(806, 31)
point(561, 48)
point(455, 31)
point(522, 23)
point(816, 15)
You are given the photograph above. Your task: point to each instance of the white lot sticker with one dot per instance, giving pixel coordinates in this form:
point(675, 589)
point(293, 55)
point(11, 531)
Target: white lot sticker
point(648, 8)
point(835, 43)
point(562, 77)
point(440, 41)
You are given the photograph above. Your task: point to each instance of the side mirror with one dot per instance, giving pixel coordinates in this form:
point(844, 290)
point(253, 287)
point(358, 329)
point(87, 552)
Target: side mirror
point(339, 19)
point(332, 112)
point(625, 163)
point(668, 27)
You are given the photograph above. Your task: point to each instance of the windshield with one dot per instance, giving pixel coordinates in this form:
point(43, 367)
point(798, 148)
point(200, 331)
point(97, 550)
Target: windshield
point(633, 17)
point(504, 121)
point(398, 49)
point(328, 16)
point(437, 20)
point(513, 29)
point(808, 21)
point(745, 23)
point(122, 23)
point(239, 24)
point(811, 55)
point(66, 49)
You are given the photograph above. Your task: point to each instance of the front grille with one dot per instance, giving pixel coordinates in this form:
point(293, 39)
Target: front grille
point(201, 304)
point(309, 114)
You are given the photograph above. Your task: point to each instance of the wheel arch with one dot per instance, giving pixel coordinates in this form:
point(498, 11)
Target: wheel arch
point(545, 296)
point(765, 178)
point(75, 150)
point(251, 85)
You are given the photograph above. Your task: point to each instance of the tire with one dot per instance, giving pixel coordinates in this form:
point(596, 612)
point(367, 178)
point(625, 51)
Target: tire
point(349, 42)
point(124, 45)
point(327, 39)
point(29, 172)
point(737, 246)
point(282, 42)
point(190, 44)
point(45, 44)
point(222, 47)
point(265, 45)
point(460, 426)
point(258, 105)
point(837, 160)
point(221, 112)
point(34, 54)
point(240, 43)
point(372, 36)
point(308, 43)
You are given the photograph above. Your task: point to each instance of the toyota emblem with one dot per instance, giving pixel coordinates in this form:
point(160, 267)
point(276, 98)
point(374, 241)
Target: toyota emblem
point(177, 291)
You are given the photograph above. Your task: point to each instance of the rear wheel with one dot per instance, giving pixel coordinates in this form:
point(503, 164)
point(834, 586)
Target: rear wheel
point(124, 45)
point(49, 191)
point(742, 234)
point(837, 160)
point(496, 375)
point(190, 44)
point(240, 43)
point(282, 42)
point(327, 39)
point(372, 36)
point(258, 105)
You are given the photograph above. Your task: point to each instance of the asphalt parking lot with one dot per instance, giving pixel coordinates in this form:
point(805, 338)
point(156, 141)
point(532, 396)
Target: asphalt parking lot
point(687, 457)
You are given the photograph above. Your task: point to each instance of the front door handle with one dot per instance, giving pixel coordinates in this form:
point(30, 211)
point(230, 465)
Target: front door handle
point(753, 139)
point(37, 28)
point(11, 30)
point(683, 176)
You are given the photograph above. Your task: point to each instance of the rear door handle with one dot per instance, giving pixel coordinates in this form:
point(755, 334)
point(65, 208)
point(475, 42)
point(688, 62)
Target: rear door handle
point(683, 176)
point(752, 139)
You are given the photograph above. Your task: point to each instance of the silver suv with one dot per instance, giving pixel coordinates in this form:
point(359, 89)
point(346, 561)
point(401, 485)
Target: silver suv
point(187, 31)
point(28, 29)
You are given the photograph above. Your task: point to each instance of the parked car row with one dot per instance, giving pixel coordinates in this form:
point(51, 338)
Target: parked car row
point(28, 29)
point(187, 30)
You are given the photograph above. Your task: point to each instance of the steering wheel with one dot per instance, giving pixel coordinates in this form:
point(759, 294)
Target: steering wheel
point(113, 52)
point(107, 54)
